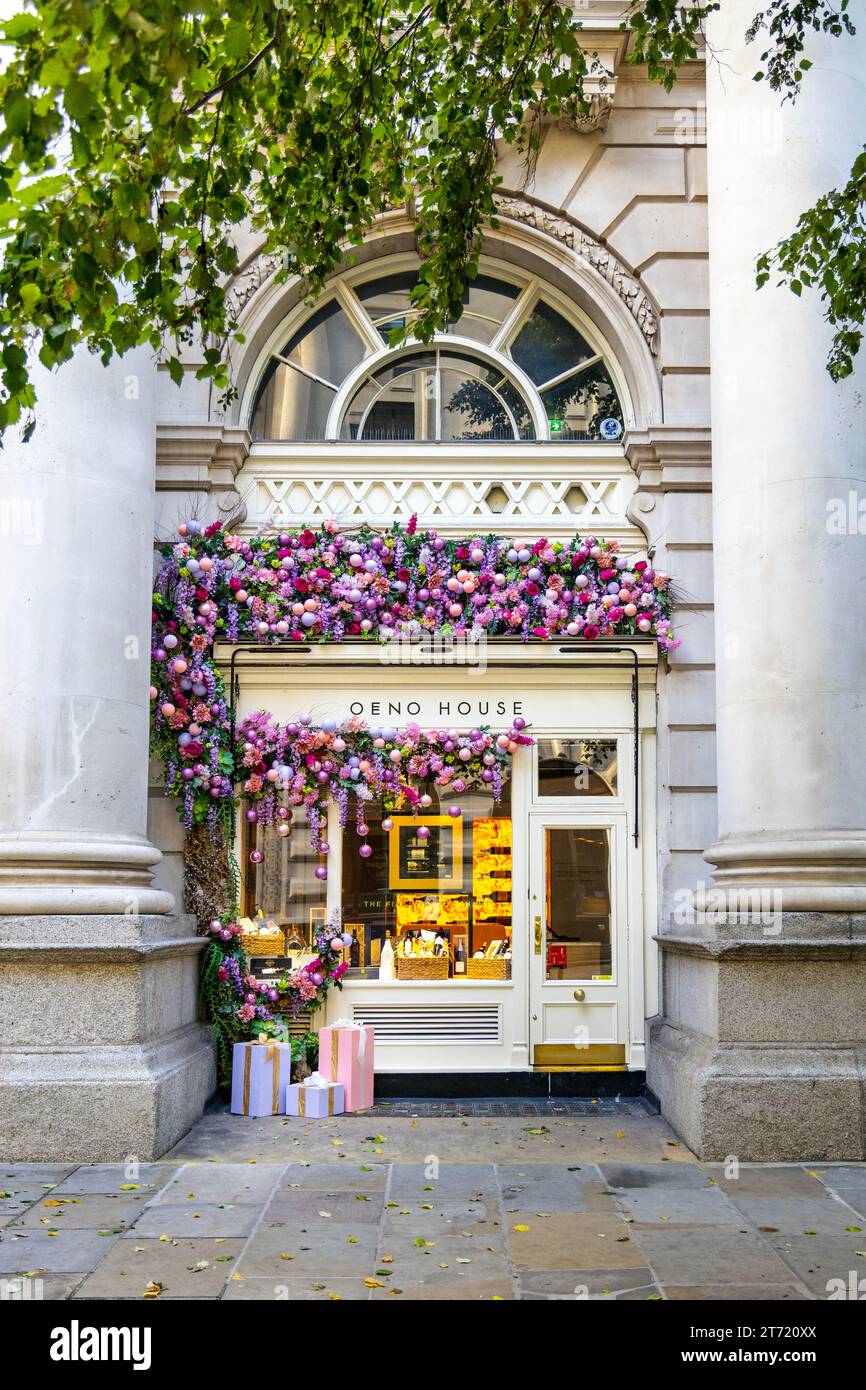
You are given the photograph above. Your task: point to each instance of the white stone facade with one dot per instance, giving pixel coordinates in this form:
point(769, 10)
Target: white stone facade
point(614, 225)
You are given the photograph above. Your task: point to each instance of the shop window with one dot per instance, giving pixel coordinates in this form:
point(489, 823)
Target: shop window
point(440, 899)
point(578, 917)
point(285, 888)
point(577, 767)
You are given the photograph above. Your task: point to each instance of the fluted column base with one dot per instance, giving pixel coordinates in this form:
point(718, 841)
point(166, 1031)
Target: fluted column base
point(54, 873)
point(804, 871)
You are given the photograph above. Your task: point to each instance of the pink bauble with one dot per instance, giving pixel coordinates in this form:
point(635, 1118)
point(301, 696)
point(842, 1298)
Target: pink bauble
point(630, 610)
point(167, 710)
point(283, 830)
point(644, 625)
point(387, 824)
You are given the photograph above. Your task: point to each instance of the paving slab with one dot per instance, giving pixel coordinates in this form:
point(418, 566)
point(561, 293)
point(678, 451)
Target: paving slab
point(749, 1293)
point(38, 1174)
point(48, 1288)
point(221, 1182)
point(847, 1183)
point(425, 1182)
point(687, 1254)
point(776, 1180)
point(678, 1206)
point(553, 1187)
point(295, 1290)
point(197, 1219)
point(323, 1249)
point(335, 1176)
point(642, 1175)
point(65, 1252)
point(609, 1285)
point(571, 1241)
point(114, 1177)
point(477, 1218)
point(90, 1211)
point(464, 1290)
point(130, 1266)
point(15, 1202)
point(305, 1206)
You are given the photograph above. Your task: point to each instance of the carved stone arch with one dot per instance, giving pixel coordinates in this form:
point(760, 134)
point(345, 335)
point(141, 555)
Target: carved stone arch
point(549, 245)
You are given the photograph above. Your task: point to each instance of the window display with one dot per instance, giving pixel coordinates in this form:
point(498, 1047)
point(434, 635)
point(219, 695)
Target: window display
point(434, 895)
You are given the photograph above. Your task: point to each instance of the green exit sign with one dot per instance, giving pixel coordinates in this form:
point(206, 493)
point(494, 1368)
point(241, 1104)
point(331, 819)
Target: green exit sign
point(555, 426)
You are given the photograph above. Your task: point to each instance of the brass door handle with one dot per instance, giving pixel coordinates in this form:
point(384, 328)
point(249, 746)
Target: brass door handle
point(579, 995)
point(538, 936)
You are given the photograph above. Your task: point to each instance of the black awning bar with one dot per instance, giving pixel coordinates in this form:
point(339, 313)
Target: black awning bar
point(234, 689)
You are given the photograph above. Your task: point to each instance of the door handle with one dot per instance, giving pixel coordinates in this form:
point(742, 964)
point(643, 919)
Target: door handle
point(538, 936)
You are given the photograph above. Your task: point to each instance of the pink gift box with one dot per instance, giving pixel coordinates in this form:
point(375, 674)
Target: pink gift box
point(315, 1102)
point(260, 1074)
point(346, 1055)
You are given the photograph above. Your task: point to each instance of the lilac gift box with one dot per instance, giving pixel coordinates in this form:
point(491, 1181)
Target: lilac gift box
point(260, 1073)
point(315, 1100)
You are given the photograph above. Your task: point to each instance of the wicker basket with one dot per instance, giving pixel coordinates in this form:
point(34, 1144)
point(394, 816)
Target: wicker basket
point(271, 943)
point(422, 967)
point(494, 968)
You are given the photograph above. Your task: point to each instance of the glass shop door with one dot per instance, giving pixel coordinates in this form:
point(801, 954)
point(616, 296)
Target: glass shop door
point(578, 975)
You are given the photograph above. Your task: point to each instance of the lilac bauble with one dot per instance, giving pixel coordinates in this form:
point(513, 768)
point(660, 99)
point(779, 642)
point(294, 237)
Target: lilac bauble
point(454, 811)
point(324, 847)
point(256, 856)
point(423, 832)
point(365, 851)
point(487, 775)
point(273, 995)
point(252, 816)
point(321, 872)
point(225, 935)
point(519, 722)
point(317, 978)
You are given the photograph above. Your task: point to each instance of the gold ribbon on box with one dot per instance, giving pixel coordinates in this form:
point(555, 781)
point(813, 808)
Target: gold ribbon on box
point(275, 1057)
point(302, 1098)
point(335, 1049)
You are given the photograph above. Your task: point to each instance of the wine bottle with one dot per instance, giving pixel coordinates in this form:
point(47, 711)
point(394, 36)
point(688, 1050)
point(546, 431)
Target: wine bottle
point(386, 960)
point(355, 950)
point(460, 957)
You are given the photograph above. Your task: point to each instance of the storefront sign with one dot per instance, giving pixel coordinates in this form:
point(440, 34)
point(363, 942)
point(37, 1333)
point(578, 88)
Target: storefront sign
point(434, 709)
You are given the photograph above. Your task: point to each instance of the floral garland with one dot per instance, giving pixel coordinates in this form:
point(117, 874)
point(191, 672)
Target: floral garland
point(241, 1006)
point(331, 585)
point(314, 766)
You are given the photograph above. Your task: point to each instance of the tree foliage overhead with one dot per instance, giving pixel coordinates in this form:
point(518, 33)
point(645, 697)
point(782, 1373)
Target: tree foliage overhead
point(137, 135)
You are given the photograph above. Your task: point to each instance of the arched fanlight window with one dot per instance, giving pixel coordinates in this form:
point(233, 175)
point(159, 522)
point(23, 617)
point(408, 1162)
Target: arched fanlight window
point(512, 366)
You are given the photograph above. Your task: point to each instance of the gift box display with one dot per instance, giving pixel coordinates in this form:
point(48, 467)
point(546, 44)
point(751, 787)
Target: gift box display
point(316, 1098)
point(261, 1071)
point(346, 1056)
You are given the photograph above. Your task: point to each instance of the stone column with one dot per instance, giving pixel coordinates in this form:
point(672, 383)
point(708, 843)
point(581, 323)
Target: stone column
point(102, 1054)
point(760, 1049)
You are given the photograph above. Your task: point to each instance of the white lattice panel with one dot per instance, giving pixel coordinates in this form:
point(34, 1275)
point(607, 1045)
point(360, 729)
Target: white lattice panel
point(579, 494)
